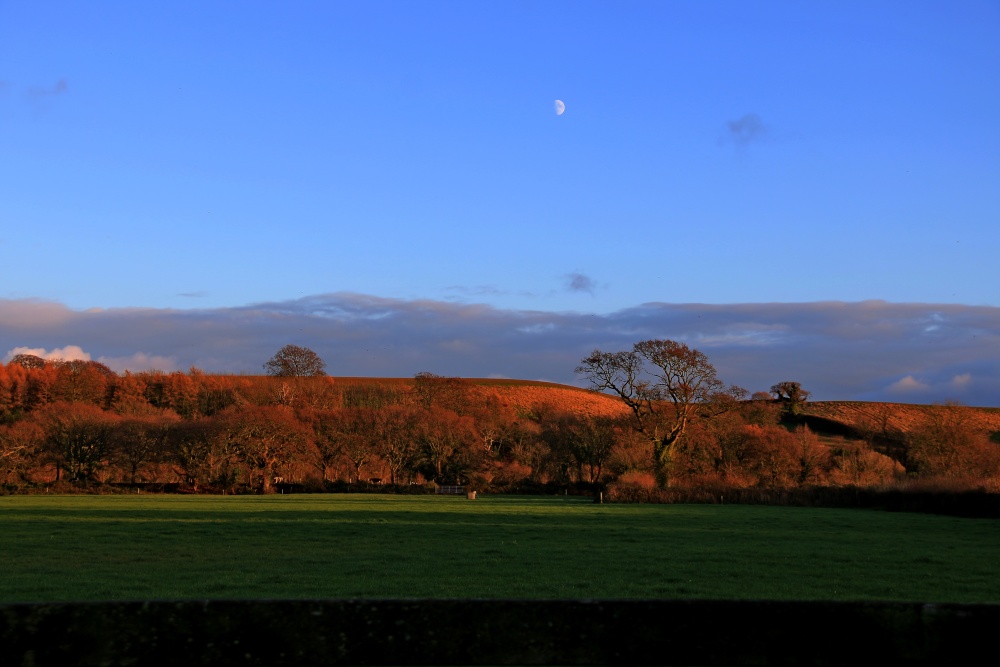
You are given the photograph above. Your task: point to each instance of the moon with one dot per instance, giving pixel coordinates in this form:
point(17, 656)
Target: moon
point(560, 107)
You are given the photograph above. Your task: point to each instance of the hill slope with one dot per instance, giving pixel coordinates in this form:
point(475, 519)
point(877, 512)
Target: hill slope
point(848, 417)
point(899, 417)
point(521, 395)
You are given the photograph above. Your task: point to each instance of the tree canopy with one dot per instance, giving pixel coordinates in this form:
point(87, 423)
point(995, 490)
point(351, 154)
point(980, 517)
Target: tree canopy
point(792, 395)
point(295, 361)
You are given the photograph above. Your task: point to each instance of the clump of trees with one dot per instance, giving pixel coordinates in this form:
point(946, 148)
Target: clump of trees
point(668, 421)
point(792, 397)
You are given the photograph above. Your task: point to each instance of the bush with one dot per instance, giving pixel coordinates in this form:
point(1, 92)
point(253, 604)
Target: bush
point(636, 478)
point(859, 465)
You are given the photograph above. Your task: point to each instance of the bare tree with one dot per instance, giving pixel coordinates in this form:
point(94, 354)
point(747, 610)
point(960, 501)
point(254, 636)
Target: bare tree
point(663, 382)
point(295, 361)
point(592, 441)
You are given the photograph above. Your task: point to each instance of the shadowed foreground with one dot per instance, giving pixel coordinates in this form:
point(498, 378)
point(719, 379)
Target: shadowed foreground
point(495, 632)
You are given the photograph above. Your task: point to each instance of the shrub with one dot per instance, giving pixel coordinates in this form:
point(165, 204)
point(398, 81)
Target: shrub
point(859, 465)
point(637, 478)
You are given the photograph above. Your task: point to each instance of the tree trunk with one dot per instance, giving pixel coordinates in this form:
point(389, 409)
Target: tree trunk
point(663, 458)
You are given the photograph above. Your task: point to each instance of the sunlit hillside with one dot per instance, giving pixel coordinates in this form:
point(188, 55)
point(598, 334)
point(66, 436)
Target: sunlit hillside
point(897, 417)
point(78, 425)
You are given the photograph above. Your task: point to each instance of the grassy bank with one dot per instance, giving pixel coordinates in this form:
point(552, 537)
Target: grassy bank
point(166, 547)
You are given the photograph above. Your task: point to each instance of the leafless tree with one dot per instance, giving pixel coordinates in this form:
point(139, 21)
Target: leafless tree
point(662, 382)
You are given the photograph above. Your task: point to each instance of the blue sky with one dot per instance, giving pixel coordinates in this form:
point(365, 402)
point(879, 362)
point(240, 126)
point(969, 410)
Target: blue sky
point(193, 157)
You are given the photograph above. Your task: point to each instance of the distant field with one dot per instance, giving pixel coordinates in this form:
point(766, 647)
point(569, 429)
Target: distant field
point(341, 546)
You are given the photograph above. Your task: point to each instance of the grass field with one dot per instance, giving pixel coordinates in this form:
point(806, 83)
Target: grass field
point(342, 546)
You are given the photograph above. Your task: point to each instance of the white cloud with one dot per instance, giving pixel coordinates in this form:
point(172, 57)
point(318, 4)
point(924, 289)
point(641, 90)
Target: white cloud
point(907, 385)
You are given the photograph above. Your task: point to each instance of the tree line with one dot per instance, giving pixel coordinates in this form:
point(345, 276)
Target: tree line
point(672, 422)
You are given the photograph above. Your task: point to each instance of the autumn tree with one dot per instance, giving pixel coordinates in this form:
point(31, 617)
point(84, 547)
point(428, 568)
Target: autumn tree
point(396, 442)
point(127, 396)
point(357, 437)
point(36, 391)
point(448, 445)
point(364, 436)
point(778, 458)
point(29, 361)
point(82, 381)
point(20, 446)
point(11, 381)
point(295, 361)
point(857, 464)
point(591, 441)
point(78, 437)
point(139, 441)
point(945, 443)
point(714, 450)
point(327, 434)
point(215, 394)
point(199, 455)
point(761, 409)
point(267, 440)
point(181, 392)
point(662, 382)
point(494, 419)
point(523, 452)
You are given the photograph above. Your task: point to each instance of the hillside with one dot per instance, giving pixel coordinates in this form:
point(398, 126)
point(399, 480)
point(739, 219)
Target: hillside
point(851, 417)
point(855, 415)
point(241, 433)
point(521, 395)
point(860, 416)
point(534, 395)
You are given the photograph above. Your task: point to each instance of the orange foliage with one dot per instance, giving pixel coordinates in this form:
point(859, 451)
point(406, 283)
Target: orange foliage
point(77, 437)
point(637, 479)
point(225, 431)
point(20, 446)
point(945, 443)
point(448, 446)
point(859, 465)
point(267, 440)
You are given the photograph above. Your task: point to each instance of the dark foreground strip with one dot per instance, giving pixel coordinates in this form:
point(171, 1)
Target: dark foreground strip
point(496, 632)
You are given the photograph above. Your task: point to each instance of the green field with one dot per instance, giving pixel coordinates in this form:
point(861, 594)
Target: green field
point(343, 546)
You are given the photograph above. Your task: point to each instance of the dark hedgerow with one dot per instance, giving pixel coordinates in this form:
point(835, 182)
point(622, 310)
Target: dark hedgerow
point(973, 504)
